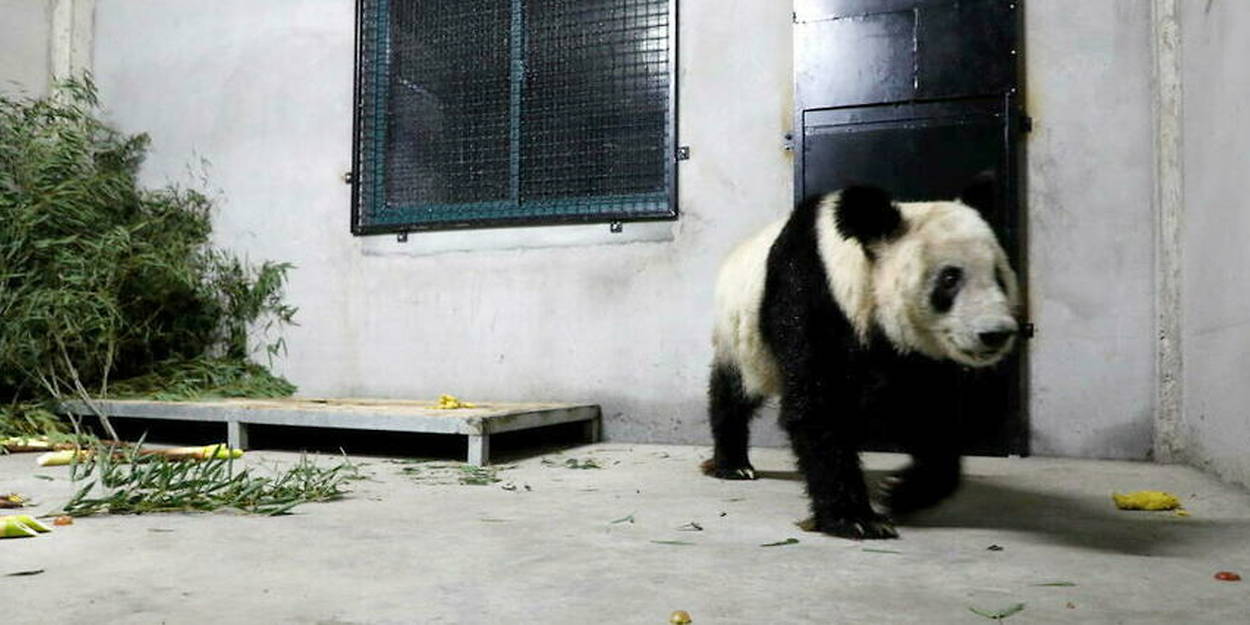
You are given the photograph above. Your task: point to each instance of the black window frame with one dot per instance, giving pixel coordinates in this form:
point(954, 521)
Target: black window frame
point(369, 148)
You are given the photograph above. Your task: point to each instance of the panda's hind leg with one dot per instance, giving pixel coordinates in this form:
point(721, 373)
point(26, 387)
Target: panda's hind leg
point(930, 433)
point(730, 408)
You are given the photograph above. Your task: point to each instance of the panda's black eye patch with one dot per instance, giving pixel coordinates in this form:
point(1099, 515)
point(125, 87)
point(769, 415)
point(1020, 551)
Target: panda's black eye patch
point(945, 287)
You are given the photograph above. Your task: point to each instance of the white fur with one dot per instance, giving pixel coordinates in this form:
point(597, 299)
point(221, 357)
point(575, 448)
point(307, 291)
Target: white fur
point(891, 291)
point(736, 336)
point(939, 234)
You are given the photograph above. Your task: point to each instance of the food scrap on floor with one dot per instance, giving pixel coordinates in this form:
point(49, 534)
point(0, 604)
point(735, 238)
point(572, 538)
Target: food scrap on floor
point(451, 402)
point(1146, 500)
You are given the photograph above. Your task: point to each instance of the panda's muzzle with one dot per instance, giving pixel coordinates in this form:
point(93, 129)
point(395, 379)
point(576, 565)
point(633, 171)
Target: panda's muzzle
point(996, 339)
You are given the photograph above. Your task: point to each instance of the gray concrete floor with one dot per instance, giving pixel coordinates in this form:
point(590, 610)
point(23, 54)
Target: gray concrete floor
point(412, 549)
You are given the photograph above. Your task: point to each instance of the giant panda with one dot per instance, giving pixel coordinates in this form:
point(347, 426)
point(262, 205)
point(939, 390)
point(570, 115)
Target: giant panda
point(858, 308)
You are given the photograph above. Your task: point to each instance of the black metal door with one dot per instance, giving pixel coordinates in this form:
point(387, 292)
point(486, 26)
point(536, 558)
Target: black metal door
point(918, 97)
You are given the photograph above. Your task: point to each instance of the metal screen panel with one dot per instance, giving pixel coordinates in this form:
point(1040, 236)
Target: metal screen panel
point(513, 112)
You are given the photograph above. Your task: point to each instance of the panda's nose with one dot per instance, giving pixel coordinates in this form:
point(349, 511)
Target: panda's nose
point(996, 338)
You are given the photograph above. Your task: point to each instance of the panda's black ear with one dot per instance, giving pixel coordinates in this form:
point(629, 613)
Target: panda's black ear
point(982, 192)
point(867, 214)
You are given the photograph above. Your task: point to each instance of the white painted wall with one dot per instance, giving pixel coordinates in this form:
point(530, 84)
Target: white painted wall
point(263, 91)
point(24, 31)
point(1216, 240)
point(1091, 227)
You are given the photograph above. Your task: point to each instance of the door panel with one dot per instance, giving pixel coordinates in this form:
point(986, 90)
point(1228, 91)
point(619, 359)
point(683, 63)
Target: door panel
point(919, 97)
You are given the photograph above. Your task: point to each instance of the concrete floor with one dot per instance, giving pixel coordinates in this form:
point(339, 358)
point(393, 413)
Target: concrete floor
point(416, 549)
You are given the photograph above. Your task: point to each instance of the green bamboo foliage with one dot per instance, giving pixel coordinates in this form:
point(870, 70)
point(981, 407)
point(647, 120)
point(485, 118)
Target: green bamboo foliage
point(102, 279)
point(116, 481)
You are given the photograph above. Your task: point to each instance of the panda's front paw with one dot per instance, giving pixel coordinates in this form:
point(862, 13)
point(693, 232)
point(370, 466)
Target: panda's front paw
point(726, 471)
point(918, 487)
point(867, 526)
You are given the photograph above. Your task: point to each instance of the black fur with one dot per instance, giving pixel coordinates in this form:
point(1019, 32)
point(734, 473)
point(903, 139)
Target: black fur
point(981, 193)
point(730, 410)
point(866, 214)
point(833, 385)
point(945, 288)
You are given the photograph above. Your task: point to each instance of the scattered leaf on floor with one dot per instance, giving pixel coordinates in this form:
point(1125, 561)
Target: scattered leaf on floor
point(588, 463)
point(788, 541)
point(24, 573)
point(159, 530)
point(672, 542)
point(998, 615)
point(875, 550)
point(44, 477)
point(994, 548)
point(690, 527)
point(478, 476)
point(624, 519)
point(1055, 584)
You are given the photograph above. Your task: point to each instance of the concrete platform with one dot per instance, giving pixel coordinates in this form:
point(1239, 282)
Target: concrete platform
point(402, 550)
point(390, 415)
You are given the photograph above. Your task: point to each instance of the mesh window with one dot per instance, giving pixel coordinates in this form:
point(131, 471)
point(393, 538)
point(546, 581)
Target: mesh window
point(497, 112)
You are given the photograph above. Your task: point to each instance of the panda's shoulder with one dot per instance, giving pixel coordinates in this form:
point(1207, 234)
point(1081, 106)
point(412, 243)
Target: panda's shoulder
point(796, 273)
point(798, 238)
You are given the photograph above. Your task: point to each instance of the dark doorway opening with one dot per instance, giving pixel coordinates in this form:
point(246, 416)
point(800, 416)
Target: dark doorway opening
point(918, 97)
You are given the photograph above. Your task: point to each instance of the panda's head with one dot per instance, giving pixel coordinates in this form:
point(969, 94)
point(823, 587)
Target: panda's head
point(940, 282)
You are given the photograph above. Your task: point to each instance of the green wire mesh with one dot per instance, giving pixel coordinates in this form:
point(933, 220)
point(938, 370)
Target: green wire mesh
point(479, 112)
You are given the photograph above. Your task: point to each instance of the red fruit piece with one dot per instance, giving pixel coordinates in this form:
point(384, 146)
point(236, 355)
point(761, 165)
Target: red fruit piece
point(1228, 576)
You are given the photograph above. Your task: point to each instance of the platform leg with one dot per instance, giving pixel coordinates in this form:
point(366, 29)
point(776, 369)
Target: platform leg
point(593, 429)
point(479, 449)
point(236, 435)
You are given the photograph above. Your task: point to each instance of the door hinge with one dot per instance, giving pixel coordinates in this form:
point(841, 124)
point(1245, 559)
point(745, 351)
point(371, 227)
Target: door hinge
point(1026, 123)
point(683, 153)
point(1028, 330)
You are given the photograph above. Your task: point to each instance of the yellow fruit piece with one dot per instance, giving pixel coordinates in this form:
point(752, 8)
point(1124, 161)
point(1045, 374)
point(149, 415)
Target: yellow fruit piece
point(13, 498)
point(29, 521)
point(451, 402)
point(59, 458)
point(680, 617)
point(219, 451)
point(1146, 500)
point(11, 527)
point(222, 451)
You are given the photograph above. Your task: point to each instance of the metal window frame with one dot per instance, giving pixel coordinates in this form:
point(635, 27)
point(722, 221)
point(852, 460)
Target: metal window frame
point(668, 197)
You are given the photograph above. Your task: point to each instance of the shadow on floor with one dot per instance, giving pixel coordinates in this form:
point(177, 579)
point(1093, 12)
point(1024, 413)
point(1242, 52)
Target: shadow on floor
point(1079, 521)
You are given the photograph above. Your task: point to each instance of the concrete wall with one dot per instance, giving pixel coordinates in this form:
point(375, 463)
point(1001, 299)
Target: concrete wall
point(1216, 237)
point(24, 58)
point(1091, 227)
point(263, 91)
